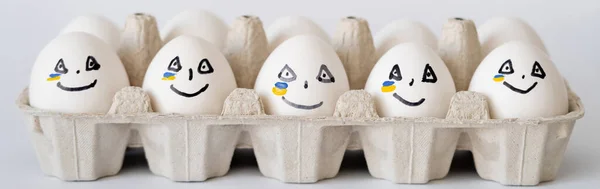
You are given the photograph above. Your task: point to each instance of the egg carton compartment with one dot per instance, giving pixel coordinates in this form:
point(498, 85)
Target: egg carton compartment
point(80, 147)
point(300, 149)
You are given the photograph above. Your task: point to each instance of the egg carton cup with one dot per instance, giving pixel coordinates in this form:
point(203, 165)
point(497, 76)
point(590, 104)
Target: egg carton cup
point(80, 147)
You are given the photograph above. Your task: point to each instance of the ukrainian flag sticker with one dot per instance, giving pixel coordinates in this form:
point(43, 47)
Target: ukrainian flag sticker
point(388, 86)
point(499, 78)
point(168, 76)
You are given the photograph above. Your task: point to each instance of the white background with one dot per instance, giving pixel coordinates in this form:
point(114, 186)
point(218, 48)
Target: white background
point(569, 29)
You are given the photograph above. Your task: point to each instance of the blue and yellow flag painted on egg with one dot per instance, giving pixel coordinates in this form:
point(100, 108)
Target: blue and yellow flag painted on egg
point(54, 77)
point(388, 86)
point(499, 78)
point(168, 76)
point(280, 88)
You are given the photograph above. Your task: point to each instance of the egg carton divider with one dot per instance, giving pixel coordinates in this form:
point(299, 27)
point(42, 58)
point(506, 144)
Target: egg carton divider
point(77, 147)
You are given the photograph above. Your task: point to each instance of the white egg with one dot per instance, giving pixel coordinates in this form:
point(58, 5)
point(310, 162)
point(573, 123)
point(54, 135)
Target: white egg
point(403, 31)
point(303, 77)
point(189, 75)
point(290, 26)
point(97, 26)
point(76, 73)
point(197, 23)
point(520, 81)
point(411, 80)
point(498, 31)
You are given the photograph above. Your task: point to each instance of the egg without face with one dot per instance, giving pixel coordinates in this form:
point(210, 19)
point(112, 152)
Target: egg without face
point(290, 26)
point(497, 31)
point(97, 26)
point(197, 23)
point(189, 75)
point(411, 80)
point(76, 73)
point(403, 31)
point(303, 77)
point(520, 81)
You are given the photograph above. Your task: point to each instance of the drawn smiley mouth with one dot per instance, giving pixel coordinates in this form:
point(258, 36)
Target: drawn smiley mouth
point(75, 89)
point(300, 106)
point(408, 103)
point(188, 95)
point(513, 88)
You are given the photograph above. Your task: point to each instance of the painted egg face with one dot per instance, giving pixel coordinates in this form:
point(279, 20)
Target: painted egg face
point(288, 27)
point(411, 80)
point(76, 73)
point(197, 23)
point(498, 31)
point(520, 81)
point(97, 26)
point(189, 76)
point(303, 76)
point(403, 31)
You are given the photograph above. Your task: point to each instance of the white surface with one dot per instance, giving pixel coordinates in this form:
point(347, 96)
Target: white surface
point(569, 30)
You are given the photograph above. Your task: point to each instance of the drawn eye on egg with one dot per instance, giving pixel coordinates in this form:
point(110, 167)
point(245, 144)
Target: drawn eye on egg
point(60, 69)
point(429, 75)
point(91, 64)
point(395, 73)
point(507, 69)
point(175, 65)
point(538, 71)
point(204, 67)
point(287, 74)
point(325, 75)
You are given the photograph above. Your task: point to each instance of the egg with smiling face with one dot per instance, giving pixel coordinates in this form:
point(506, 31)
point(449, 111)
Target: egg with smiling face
point(189, 75)
point(411, 80)
point(520, 81)
point(76, 73)
point(302, 77)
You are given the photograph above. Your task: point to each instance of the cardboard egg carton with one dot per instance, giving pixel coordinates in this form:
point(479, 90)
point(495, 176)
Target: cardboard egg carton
point(77, 147)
